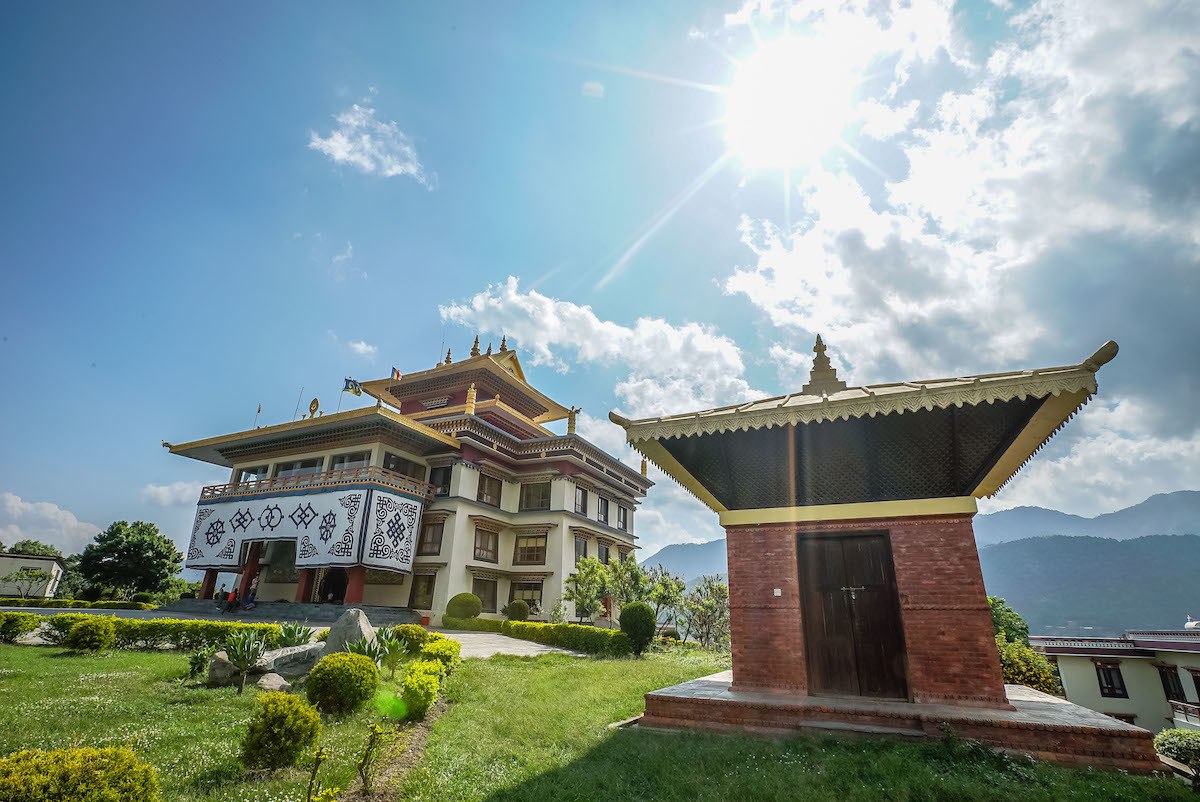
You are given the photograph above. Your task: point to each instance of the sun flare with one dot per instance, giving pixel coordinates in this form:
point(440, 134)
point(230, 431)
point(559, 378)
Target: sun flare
point(788, 103)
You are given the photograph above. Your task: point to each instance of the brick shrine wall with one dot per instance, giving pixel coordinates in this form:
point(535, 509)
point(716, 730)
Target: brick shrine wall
point(951, 653)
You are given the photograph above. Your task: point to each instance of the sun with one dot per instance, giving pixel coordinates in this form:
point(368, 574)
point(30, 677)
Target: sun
point(788, 103)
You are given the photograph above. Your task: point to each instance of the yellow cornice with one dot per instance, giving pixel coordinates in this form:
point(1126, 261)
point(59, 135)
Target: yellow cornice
point(957, 505)
point(491, 403)
point(1053, 414)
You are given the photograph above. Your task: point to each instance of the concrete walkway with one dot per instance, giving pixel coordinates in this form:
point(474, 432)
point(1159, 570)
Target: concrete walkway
point(486, 644)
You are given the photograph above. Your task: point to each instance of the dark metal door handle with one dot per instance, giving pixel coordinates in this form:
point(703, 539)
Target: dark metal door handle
point(853, 591)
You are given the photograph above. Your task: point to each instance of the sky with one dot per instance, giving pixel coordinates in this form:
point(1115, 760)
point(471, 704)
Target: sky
point(211, 207)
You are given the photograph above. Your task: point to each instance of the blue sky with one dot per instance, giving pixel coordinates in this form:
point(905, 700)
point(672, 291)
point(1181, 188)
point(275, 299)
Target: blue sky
point(204, 212)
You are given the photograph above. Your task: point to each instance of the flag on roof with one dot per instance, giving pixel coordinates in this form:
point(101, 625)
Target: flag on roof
point(352, 386)
point(395, 374)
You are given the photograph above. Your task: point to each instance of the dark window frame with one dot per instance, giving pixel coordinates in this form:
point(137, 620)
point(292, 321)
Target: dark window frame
point(363, 460)
point(412, 591)
point(534, 555)
point(1128, 718)
point(494, 538)
point(524, 503)
point(581, 505)
point(424, 549)
point(404, 466)
point(1172, 683)
point(603, 553)
point(1195, 672)
point(1112, 683)
point(622, 518)
point(579, 556)
point(602, 509)
point(535, 604)
point(485, 482)
point(494, 594)
point(320, 467)
point(440, 490)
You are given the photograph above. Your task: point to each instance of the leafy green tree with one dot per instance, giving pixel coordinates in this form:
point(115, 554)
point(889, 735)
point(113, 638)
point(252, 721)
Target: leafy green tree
point(1021, 665)
point(1007, 622)
point(626, 581)
point(705, 613)
point(35, 547)
point(666, 594)
point(586, 587)
point(71, 585)
point(132, 557)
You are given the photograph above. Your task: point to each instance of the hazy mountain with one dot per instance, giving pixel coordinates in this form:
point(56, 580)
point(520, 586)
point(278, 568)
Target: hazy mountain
point(1164, 514)
point(1096, 586)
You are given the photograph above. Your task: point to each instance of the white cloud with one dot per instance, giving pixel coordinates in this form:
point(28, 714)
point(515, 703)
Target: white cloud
point(592, 89)
point(362, 348)
point(41, 520)
point(343, 265)
point(881, 121)
point(371, 146)
point(176, 494)
point(672, 368)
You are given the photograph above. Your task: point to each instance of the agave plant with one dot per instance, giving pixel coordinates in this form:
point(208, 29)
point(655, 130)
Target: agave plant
point(294, 634)
point(370, 648)
point(393, 649)
point(243, 650)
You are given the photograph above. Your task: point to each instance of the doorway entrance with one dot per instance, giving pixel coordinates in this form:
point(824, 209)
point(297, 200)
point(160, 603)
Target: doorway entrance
point(330, 585)
point(852, 631)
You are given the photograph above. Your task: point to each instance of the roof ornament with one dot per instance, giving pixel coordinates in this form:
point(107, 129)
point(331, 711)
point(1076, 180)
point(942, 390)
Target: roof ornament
point(471, 399)
point(475, 347)
point(571, 413)
point(503, 343)
point(823, 379)
point(643, 466)
point(489, 350)
point(448, 359)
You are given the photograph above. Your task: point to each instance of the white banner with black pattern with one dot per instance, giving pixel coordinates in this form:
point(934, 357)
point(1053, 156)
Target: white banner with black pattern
point(327, 527)
point(391, 531)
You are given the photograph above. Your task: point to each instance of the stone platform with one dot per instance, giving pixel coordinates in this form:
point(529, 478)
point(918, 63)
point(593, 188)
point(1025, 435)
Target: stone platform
point(1043, 726)
point(295, 611)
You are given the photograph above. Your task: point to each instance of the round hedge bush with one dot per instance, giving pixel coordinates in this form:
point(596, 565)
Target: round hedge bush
point(1180, 744)
point(144, 598)
point(93, 634)
point(282, 729)
point(82, 774)
point(342, 682)
point(637, 621)
point(517, 610)
point(464, 605)
point(14, 625)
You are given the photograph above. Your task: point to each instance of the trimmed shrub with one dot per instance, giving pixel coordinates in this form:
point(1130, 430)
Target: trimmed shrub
point(72, 604)
point(342, 682)
point(59, 625)
point(517, 610)
point(323, 635)
point(414, 635)
point(435, 667)
point(144, 598)
point(1179, 744)
point(1021, 665)
point(445, 651)
point(112, 774)
point(577, 637)
point(283, 728)
point(464, 605)
point(419, 691)
point(94, 634)
point(473, 624)
point(637, 621)
point(14, 625)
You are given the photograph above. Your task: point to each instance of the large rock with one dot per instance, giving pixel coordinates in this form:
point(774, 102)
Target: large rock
point(221, 671)
point(352, 626)
point(273, 682)
point(291, 662)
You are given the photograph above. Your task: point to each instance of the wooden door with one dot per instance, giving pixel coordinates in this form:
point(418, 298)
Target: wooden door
point(851, 613)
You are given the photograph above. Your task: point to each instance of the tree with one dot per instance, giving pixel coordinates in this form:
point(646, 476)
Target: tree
point(705, 612)
point(626, 581)
point(26, 579)
point(134, 558)
point(586, 586)
point(71, 584)
point(1020, 665)
point(34, 547)
point(666, 594)
point(1007, 622)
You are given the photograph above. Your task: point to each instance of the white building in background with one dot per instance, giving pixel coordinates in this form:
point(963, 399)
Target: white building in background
point(1150, 678)
point(12, 563)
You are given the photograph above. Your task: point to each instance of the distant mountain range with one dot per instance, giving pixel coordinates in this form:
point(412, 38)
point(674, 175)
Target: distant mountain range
point(1065, 573)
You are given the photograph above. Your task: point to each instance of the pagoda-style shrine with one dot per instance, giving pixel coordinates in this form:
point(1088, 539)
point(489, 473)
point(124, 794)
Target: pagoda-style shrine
point(856, 597)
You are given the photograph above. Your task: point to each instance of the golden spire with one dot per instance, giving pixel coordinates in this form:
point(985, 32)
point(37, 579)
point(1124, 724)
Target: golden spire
point(471, 399)
point(448, 359)
point(475, 347)
point(571, 413)
point(489, 350)
point(503, 343)
point(643, 466)
point(823, 379)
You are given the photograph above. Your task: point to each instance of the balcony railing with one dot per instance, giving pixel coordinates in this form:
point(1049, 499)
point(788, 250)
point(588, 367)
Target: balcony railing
point(1186, 711)
point(344, 476)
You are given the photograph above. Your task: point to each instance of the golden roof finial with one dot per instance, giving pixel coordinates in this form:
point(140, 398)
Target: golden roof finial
point(448, 359)
point(823, 380)
point(489, 350)
point(571, 413)
point(643, 466)
point(471, 399)
point(503, 343)
point(475, 347)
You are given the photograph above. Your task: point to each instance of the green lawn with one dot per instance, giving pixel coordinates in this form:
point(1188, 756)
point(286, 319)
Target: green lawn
point(516, 728)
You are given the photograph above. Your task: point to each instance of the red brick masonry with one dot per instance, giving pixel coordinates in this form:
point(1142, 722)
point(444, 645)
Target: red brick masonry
point(951, 652)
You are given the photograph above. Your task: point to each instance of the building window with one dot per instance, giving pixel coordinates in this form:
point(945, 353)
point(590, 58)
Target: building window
point(485, 589)
point(440, 479)
point(487, 546)
point(421, 596)
point(430, 543)
point(1112, 684)
point(602, 510)
point(602, 553)
point(405, 467)
point(531, 592)
point(1195, 672)
point(535, 496)
point(1171, 682)
point(622, 519)
point(356, 459)
point(580, 500)
point(300, 467)
point(252, 474)
point(489, 490)
point(1128, 718)
point(623, 554)
point(580, 549)
point(530, 550)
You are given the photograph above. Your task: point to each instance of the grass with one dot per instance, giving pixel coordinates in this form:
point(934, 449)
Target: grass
point(190, 733)
point(535, 728)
